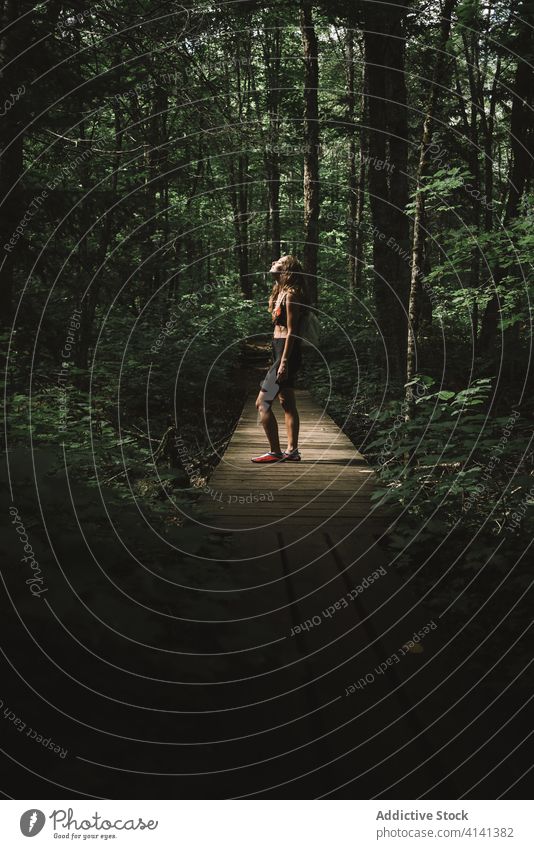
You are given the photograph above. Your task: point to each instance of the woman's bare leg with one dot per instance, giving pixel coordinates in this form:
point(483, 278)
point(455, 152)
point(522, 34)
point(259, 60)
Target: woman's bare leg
point(268, 420)
point(289, 405)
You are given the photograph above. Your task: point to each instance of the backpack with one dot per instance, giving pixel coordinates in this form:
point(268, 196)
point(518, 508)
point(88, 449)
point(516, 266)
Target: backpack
point(310, 329)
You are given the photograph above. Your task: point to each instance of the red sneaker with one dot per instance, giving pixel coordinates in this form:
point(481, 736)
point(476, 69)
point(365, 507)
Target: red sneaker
point(270, 457)
point(292, 456)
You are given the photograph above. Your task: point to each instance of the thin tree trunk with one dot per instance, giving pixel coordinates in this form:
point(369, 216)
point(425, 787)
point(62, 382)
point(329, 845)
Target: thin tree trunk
point(352, 176)
point(418, 225)
point(311, 149)
point(239, 197)
point(275, 233)
point(272, 57)
point(239, 190)
point(360, 235)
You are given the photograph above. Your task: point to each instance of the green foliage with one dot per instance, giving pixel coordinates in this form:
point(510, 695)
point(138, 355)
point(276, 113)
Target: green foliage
point(451, 465)
point(168, 355)
point(158, 229)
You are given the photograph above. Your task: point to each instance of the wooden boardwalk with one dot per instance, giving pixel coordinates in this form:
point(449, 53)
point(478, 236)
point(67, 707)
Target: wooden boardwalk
point(319, 687)
point(329, 487)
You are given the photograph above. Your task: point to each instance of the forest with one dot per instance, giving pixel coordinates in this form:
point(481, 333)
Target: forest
point(156, 157)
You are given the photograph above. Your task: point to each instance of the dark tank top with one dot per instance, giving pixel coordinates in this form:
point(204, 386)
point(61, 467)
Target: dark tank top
point(280, 314)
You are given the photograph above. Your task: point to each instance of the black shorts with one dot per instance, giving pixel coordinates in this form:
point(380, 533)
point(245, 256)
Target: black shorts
point(269, 384)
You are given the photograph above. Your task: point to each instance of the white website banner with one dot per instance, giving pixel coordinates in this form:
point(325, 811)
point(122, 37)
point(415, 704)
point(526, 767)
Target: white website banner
point(268, 824)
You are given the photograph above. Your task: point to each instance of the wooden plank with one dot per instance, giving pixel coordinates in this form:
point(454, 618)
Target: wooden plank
point(317, 541)
point(331, 486)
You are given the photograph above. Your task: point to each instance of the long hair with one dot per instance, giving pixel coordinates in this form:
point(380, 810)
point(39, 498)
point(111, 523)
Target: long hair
point(291, 280)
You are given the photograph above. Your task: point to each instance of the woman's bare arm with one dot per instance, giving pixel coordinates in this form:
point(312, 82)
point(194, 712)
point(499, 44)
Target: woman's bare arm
point(292, 312)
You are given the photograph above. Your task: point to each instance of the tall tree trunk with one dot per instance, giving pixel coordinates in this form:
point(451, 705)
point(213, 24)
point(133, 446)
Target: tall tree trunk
point(360, 234)
point(311, 149)
point(272, 56)
point(418, 224)
point(239, 196)
point(240, 179)
point(472, 60)
point(353, 179)
point(86, 282)
point(488, 125)
point(357, 168)
point(160, 155)
point(273, 183)
point(384, 40)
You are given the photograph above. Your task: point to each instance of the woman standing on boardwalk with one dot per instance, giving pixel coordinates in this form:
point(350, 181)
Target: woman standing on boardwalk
point(287, 304)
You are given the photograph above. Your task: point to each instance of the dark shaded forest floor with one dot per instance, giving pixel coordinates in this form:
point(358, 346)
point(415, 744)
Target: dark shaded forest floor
point(114, 584)
point(483, 582)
